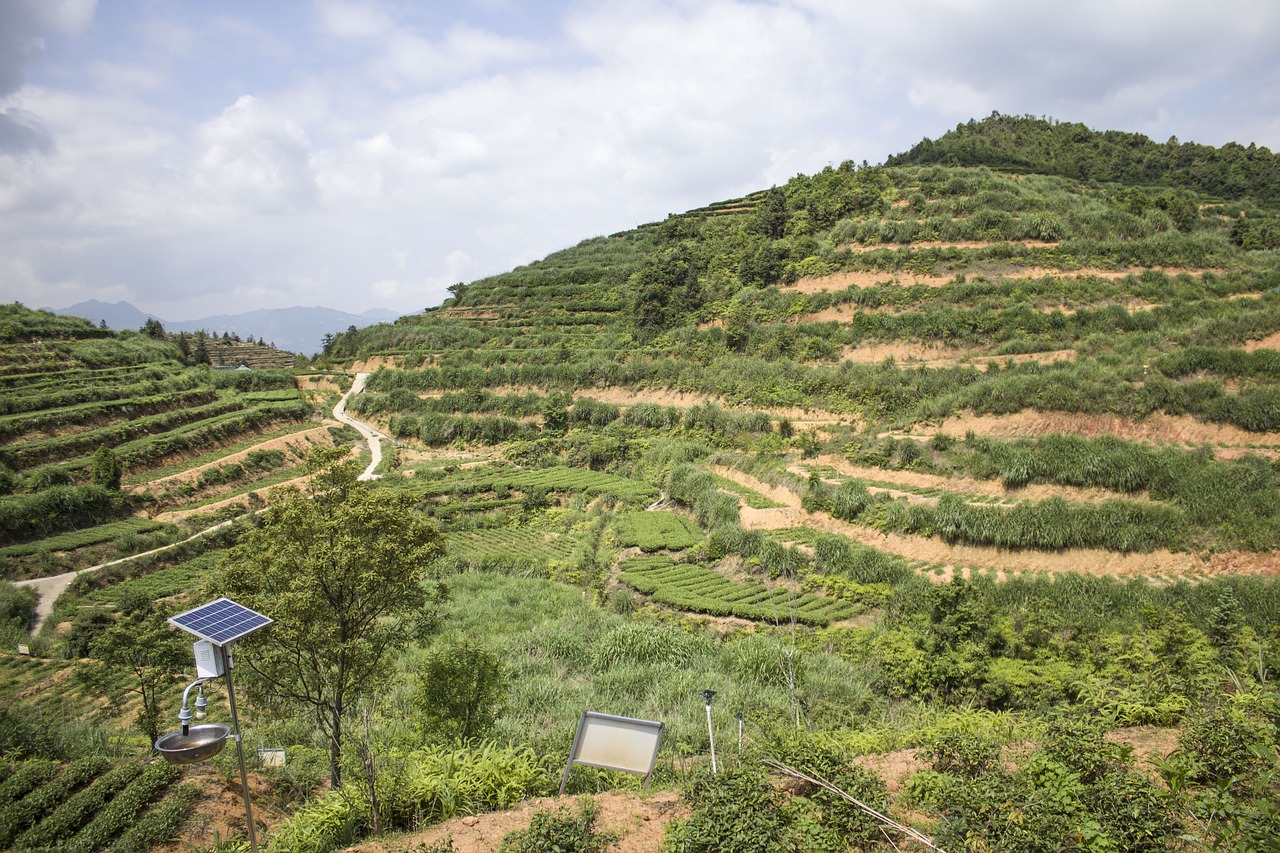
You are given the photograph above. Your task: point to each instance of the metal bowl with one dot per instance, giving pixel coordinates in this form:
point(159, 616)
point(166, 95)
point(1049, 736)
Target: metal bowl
point(200, 743)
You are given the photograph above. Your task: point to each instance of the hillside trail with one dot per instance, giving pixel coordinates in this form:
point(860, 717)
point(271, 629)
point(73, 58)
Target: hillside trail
point(49, 589)
point(373, 437)
point(951, 559)
point(966, 485)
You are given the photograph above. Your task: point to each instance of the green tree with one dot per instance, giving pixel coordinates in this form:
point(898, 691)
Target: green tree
point(153, 329)
point(772, 214)
point(667, 292)
point(152, 655)
point(343, 572)
point(106, 470)
point(460, 690)
point(200, 352)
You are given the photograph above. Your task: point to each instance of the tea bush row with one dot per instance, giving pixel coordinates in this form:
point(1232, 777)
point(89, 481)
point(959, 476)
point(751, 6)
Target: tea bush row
point(18, 816)
point(115, 819)
point(27, 517)
point(160, 824)
point(76, 810)
point(83, 376)
point(214, 430)
point(158, 381)
point(13, 426)
point(86, 537)
point(1238, 500)
point(656, 531)
point(1052, 525)
point(25, 778)
point(702, 590)
point(64, 447)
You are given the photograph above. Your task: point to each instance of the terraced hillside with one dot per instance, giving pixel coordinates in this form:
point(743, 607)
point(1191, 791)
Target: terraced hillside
point(1084, 374)
point(104, 435)
point(957, 482)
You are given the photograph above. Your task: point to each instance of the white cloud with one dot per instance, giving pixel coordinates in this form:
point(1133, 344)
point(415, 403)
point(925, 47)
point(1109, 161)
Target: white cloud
point(256, 158)
point(355, 20)
point(367, 155)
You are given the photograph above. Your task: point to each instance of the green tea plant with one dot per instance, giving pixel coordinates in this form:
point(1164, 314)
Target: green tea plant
point(560, 829)
point(158, 825)
point(657, 531)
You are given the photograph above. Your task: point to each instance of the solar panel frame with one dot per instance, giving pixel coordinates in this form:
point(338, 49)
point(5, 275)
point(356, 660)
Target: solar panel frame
point(220, 621)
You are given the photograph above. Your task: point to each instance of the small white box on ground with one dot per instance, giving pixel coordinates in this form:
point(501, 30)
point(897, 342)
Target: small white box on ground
point(271, 757)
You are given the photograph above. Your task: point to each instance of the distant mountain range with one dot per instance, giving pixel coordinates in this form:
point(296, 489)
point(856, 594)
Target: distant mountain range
point(293, 329)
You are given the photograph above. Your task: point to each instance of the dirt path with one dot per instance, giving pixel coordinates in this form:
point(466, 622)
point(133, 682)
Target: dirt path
point(626, 397)
point(963, 558)
point(914, 354)
point(868, 278)
point(639, 820)
point(966, 485)
point(1156, 428)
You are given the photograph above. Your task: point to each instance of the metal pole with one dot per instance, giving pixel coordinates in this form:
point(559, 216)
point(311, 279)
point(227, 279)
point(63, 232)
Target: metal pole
point(235, 728)
point(708, 695)
point(712, 733)
point(740, 715)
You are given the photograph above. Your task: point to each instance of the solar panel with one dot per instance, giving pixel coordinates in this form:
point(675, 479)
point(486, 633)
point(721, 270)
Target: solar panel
point(221, 621)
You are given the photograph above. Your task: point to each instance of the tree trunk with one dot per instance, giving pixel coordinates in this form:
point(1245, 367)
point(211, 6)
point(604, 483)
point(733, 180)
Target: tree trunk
point(335, 745)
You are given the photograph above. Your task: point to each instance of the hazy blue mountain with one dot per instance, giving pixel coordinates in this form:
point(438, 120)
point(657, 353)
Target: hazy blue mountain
point(293, 329)
point(119, 315)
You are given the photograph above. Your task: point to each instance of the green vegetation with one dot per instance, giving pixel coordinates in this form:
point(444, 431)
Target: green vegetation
point(657, 531)
point(1015, 394)
point(88, 805)
point(340, 570)
point(1061, 148)
point(86, 409)
point(570, 832)
point(701, 590)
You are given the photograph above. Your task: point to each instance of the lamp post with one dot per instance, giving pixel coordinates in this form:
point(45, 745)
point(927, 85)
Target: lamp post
point(215, 625)
point(709, 695)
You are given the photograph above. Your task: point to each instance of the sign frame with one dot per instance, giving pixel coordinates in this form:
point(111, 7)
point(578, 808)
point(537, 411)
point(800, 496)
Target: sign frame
point(615, 743)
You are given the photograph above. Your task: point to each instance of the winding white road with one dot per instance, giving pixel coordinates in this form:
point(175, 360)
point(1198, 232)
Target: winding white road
point(371, 435)
point(48, 589)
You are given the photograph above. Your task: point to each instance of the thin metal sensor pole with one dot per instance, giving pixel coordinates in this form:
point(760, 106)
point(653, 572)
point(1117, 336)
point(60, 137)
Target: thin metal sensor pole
point(235, 725)
point(712, 733)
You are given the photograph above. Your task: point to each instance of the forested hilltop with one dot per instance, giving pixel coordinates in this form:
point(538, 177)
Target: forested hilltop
point(958, 480)
point(1028, 144)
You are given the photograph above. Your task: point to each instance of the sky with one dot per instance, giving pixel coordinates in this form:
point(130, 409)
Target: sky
point(200, 158)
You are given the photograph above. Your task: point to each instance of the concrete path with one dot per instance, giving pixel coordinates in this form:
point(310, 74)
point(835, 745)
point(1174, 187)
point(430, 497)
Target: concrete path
point(370, 434)
point(48, 589)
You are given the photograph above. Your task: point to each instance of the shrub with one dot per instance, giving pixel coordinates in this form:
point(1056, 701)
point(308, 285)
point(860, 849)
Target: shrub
point(561, 831)
point(460, 688)
point(734, 811)
point(17, 607)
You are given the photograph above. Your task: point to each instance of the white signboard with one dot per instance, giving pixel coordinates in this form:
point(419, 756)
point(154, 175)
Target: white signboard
point(615, 743)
